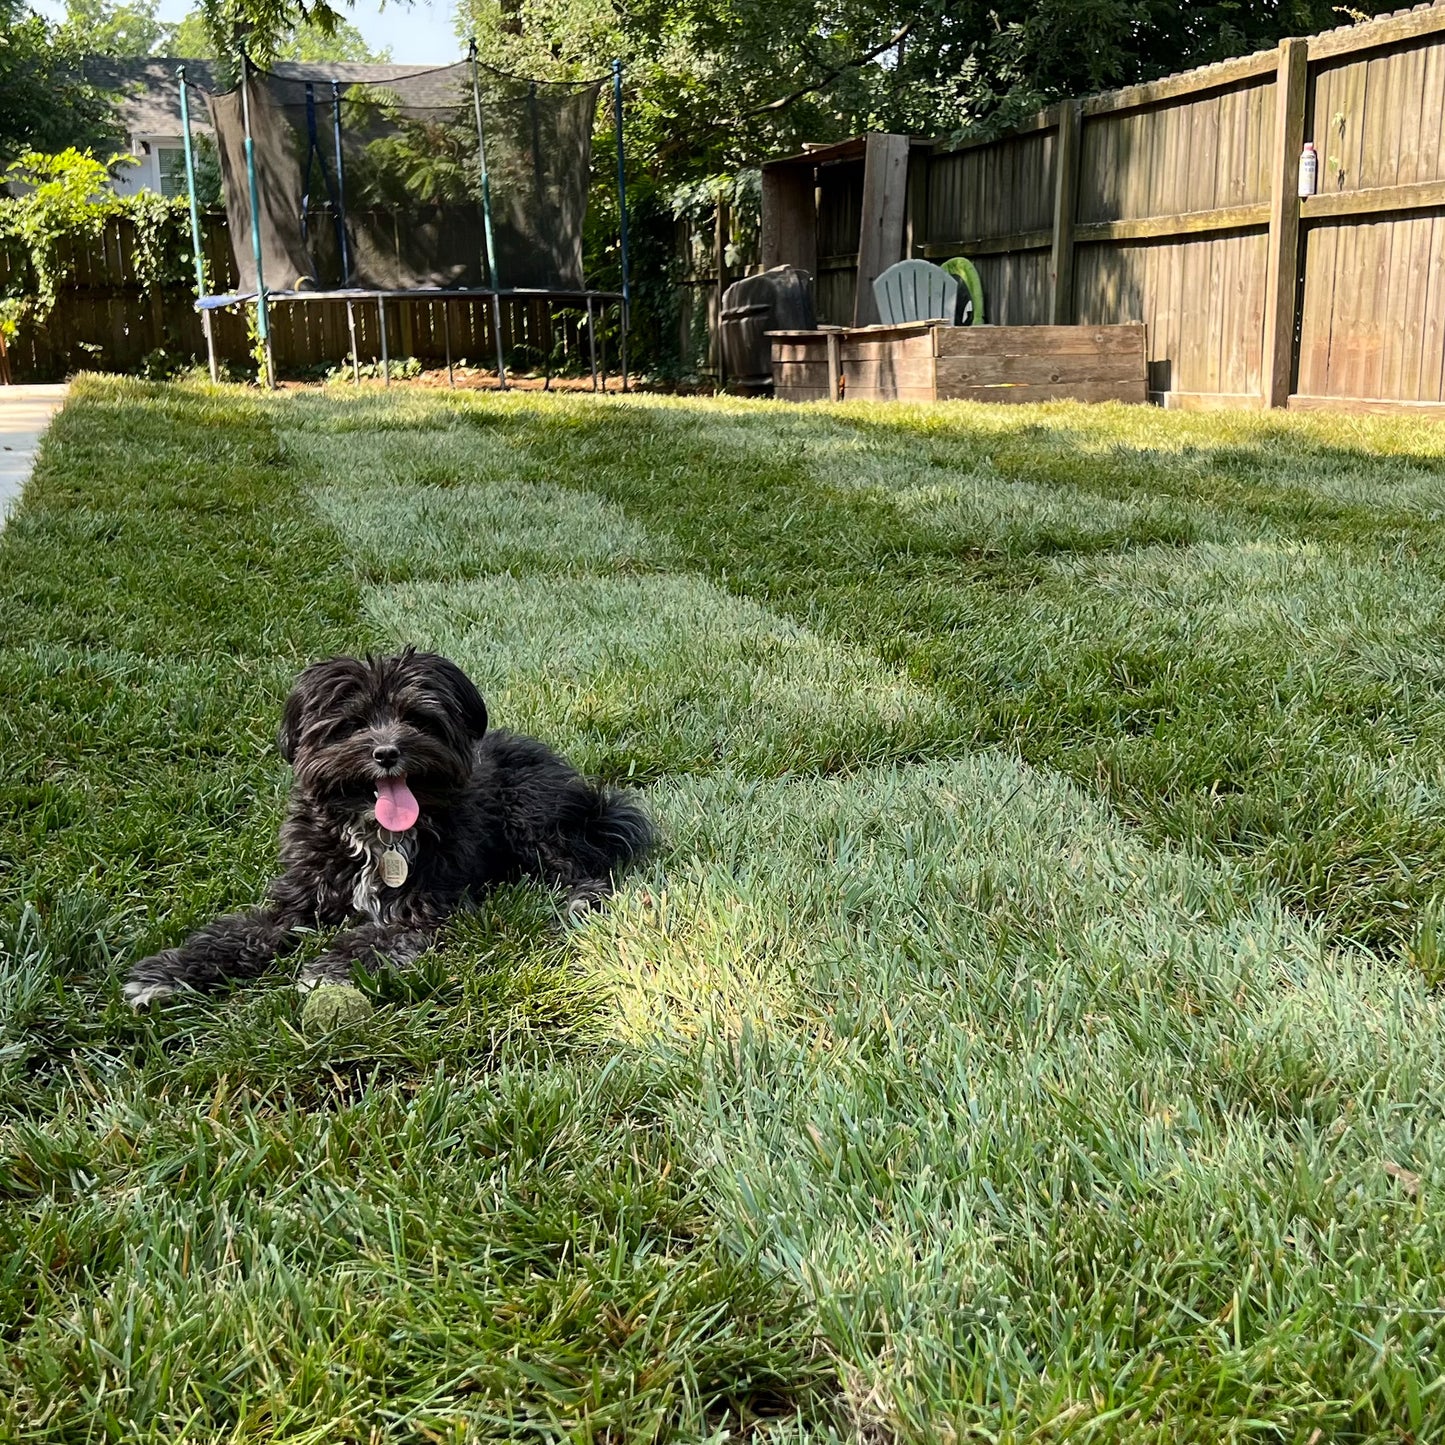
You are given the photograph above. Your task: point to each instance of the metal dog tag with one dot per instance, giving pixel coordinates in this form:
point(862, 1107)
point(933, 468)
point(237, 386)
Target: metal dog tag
point(393, 868)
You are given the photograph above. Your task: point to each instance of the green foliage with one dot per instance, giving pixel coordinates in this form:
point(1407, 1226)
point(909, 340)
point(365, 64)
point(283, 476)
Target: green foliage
point(65, 203)
point(46, 103)
point(712, 88)
point(399, 368)
point(101, 28)
point(411, 161)
point(283, 32)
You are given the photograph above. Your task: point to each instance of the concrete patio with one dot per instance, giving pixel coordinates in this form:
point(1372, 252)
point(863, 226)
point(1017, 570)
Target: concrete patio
point(25, 412)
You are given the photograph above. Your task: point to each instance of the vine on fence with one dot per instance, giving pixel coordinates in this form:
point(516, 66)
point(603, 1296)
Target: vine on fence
point(63, 206)
point(697, 203)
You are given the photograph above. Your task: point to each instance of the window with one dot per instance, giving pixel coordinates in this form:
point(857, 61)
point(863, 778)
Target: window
point(171, 164)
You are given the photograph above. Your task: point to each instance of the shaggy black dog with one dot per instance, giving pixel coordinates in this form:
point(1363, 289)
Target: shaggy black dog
point(403, 807)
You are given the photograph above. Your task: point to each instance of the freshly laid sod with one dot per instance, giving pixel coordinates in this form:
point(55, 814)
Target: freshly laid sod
point(1027, 1030)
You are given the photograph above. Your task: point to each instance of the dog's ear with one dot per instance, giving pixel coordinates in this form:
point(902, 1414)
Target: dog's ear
point(316, 687)
point(468, 700)
point(291, 718)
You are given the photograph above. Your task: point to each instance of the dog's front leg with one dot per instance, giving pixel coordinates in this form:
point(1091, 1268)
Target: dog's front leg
point(374, 946)
point(240, 945)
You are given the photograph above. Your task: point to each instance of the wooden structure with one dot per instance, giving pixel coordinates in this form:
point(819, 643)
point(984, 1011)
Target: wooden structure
point(104, 319)
point(1174, 204)
point(923, 361)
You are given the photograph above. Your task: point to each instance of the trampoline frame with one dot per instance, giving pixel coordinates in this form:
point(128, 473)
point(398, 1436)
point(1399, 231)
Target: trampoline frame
point(264, 297)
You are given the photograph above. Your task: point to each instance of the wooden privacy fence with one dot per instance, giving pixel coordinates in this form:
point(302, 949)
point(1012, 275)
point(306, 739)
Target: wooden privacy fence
point(104, 319)
point(1175, 204)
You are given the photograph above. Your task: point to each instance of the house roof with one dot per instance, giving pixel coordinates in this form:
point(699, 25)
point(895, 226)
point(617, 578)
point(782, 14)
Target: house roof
point(151, 92)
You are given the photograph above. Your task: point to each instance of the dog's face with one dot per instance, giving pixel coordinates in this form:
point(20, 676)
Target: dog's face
point(355, 729)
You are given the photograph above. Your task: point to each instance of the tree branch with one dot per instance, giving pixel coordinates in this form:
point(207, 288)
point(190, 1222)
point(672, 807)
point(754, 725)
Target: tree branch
point(784, 101)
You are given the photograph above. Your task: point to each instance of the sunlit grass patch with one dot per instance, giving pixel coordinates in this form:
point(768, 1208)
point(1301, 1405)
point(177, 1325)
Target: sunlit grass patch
point(1021, 1103)
point(405, 532)
point(459, 501)
point(643, 676)
point(983, 506)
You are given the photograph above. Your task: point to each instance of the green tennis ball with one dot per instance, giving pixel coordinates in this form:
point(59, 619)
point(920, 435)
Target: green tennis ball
point(331, 1006)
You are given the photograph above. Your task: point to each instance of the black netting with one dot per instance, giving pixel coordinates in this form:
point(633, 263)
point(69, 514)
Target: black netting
point(404, 207)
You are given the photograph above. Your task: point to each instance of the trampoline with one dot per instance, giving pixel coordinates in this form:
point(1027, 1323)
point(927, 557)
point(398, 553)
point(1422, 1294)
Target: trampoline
point(452, 183)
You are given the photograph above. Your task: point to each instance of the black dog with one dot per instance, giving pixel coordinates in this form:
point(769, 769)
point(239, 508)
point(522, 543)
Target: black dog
point(403, 807)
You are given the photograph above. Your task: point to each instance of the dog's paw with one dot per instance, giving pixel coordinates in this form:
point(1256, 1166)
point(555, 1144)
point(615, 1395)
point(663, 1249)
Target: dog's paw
point(584, 899)
point(140, 995)
point(330, 968)
point(151, 978)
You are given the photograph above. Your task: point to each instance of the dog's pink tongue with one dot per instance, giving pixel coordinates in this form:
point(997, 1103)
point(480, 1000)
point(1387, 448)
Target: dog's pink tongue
point(396, 807)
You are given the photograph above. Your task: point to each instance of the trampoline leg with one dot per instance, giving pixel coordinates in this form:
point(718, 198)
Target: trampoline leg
point(622, 341)
point(592, 340)
point(210, 345)
point(385, 360)
point(447, 336)
point(497, 332)
point(355, 359)
point(547, 368)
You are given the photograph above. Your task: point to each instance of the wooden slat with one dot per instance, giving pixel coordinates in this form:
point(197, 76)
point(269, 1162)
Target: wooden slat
point(790, 219)
point(1066, 189)
point(880, 236)
point(1370, 404)
point(999, 341)
point(1127, 391)
point(1421, 196)
point(990, 245)
point(1207, 400)
point(1282, 263)
point(1374, 34)
point(885, 374)
point(1187, 223)
point(1175, 87)
point(1038, 369)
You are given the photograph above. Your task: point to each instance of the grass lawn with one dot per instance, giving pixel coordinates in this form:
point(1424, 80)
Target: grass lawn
point(1029, 1029)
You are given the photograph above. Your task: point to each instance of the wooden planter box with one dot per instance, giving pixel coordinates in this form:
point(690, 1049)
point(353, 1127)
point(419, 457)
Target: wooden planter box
point(925, 361)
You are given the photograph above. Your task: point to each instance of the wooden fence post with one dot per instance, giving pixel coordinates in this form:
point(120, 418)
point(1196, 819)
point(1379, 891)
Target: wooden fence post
point(722, 226)
point(1282, 265)
point(1066, 192)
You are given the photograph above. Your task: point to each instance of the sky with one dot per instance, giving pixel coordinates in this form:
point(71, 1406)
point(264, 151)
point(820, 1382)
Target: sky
point(420, 32)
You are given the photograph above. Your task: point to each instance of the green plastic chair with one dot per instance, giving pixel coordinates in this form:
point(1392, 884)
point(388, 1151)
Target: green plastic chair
point(915, 291)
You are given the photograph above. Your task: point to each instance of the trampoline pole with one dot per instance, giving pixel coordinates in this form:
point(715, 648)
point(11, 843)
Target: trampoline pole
point(492, 275)
point(196, 225)
point(592, 340)
point(447, 337)
point(355, 359)
point(263, 321)
point(340, 185)
point(622, 210)
point(385, 361)
point(341, 227)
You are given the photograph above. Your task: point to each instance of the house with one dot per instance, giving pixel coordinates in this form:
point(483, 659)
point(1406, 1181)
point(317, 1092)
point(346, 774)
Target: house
point(150, 107)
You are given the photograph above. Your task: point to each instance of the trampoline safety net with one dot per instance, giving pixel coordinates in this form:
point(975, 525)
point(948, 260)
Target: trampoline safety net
point(403, 209)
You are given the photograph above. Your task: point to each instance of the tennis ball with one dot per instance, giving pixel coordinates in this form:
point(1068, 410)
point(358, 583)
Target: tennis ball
point(331, 1006)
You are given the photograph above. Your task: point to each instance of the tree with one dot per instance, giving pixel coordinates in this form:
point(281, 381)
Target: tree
point(278, 30)
point(99, 28)
point(714, 86)
point(46, 103)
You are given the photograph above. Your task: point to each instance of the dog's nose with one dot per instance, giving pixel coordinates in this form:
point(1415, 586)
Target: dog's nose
point(386, 755)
